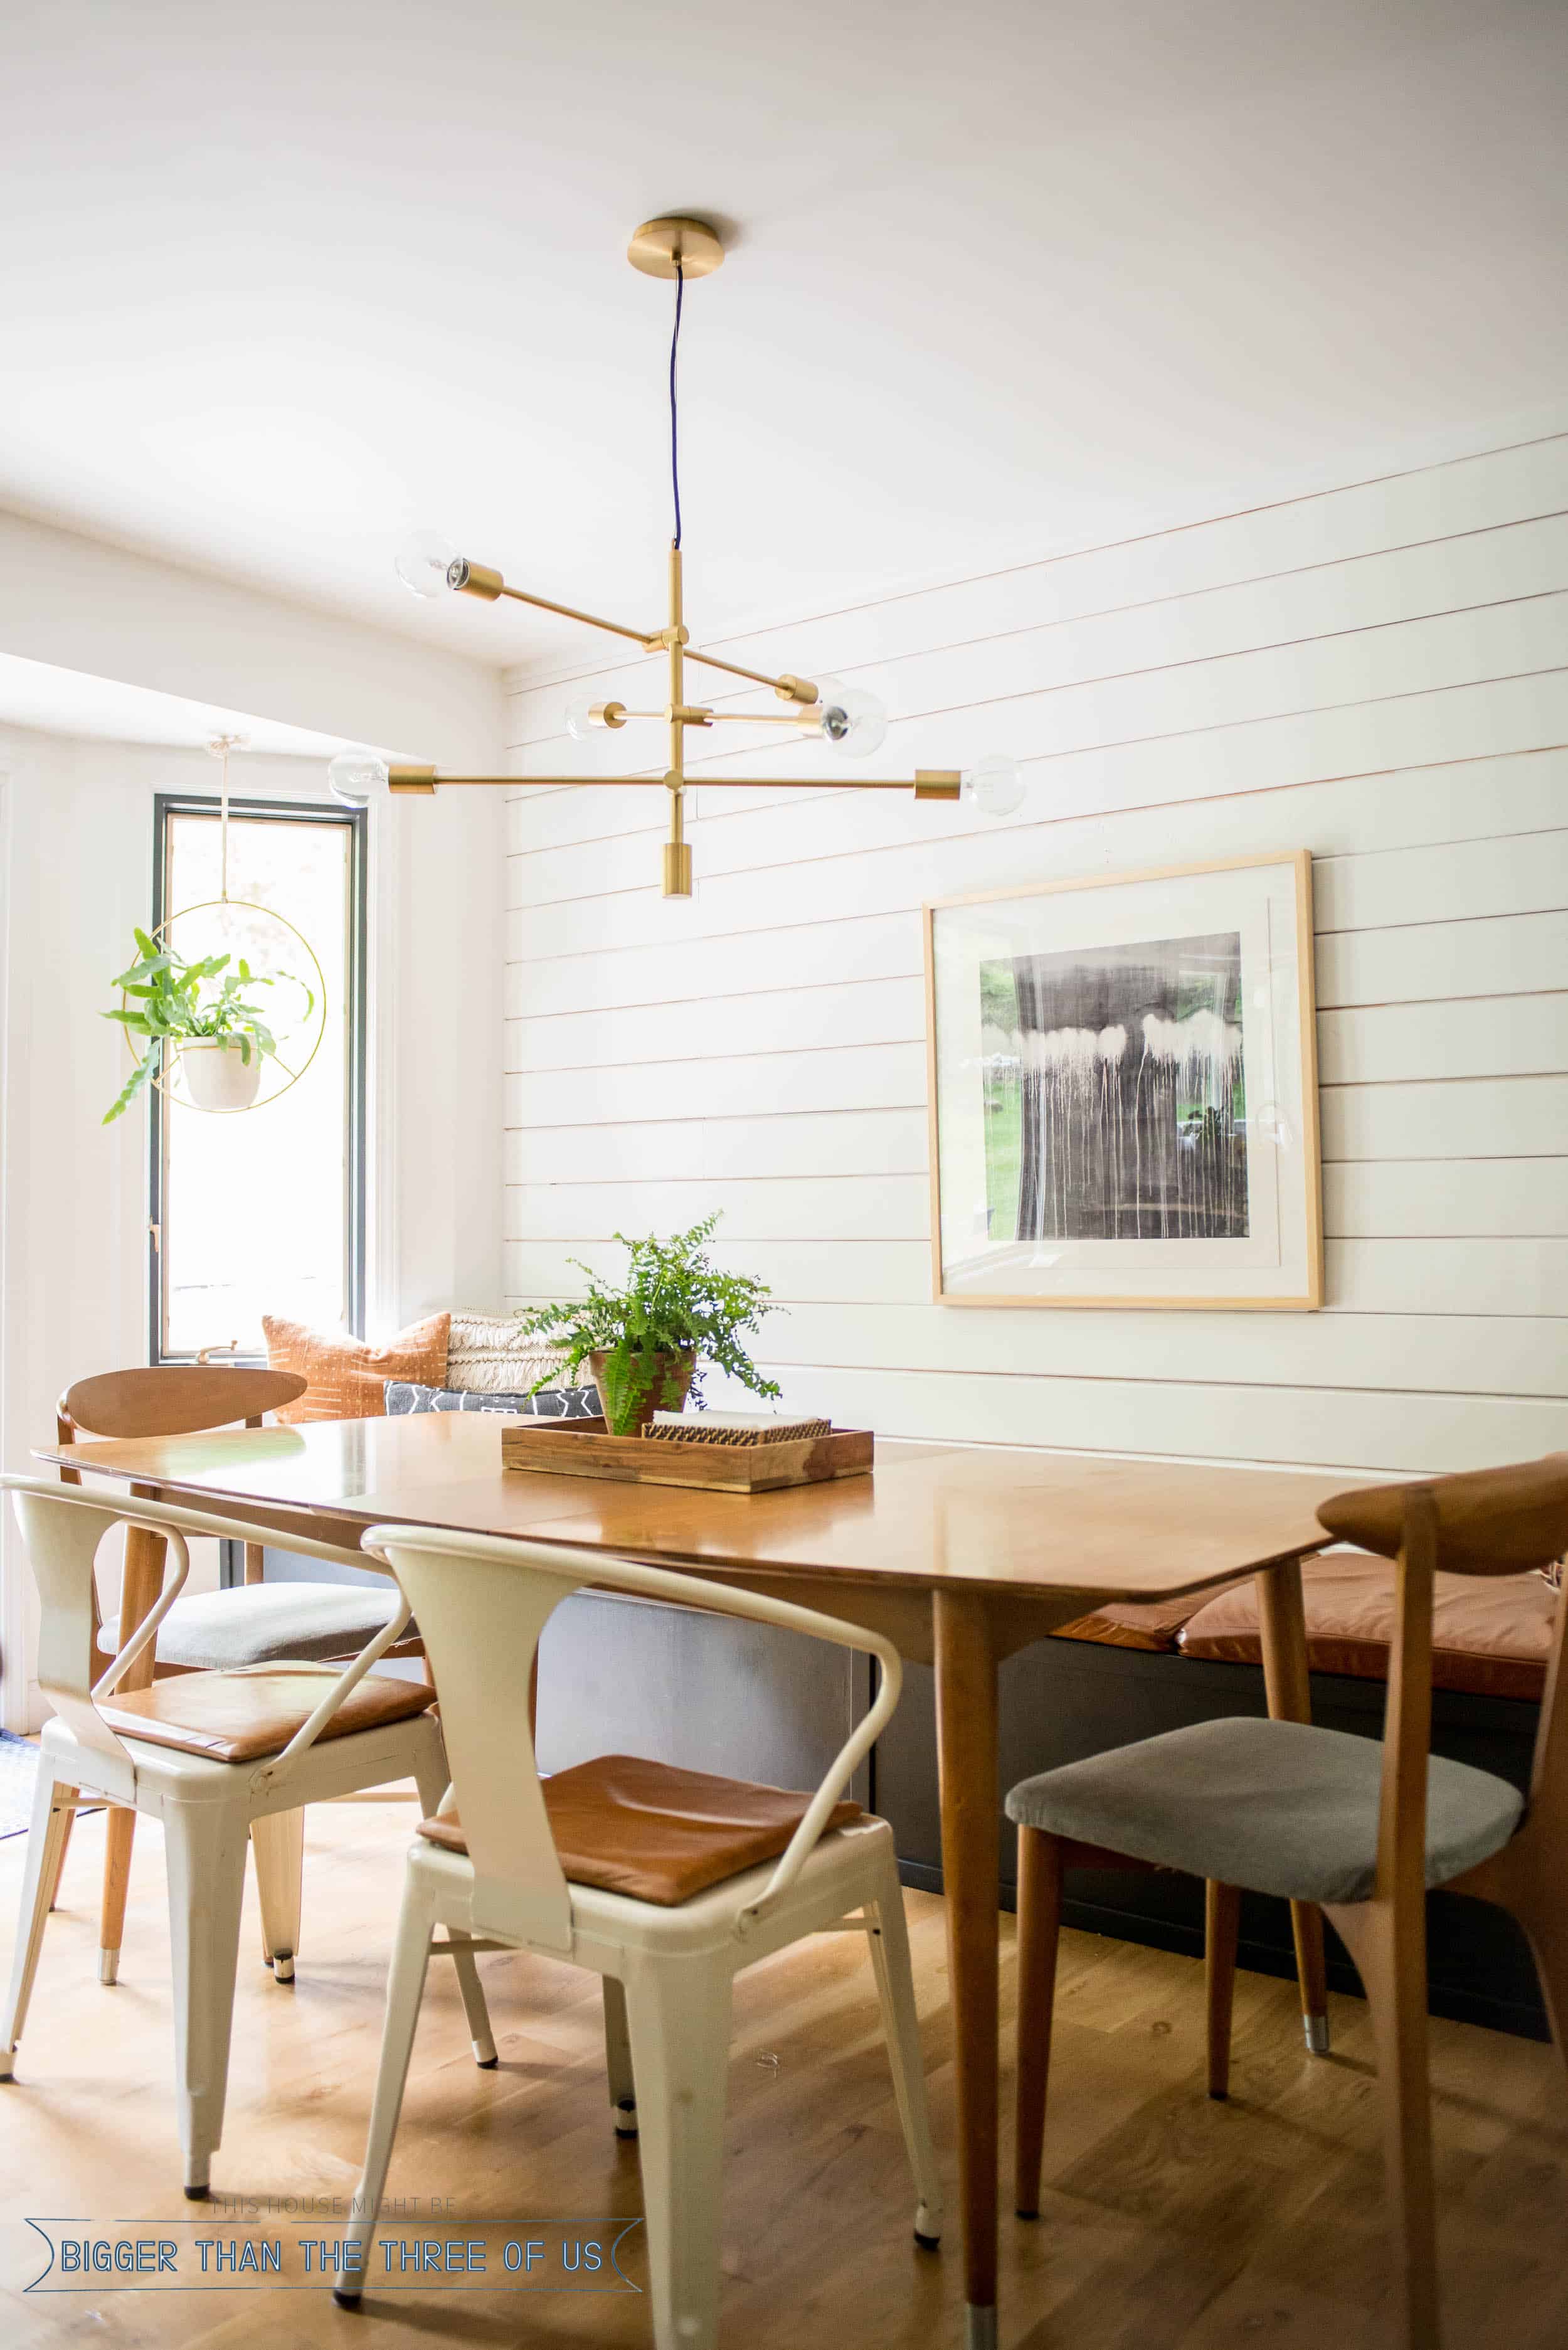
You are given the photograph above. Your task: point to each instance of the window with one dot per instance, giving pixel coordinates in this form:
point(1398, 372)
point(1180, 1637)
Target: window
point(263, 1212)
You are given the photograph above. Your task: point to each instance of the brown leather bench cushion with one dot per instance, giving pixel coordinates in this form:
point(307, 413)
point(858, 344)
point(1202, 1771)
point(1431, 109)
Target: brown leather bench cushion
point(1153, 1625)
point(1491, 1638)
point(238, 1716)
point(655, 1833)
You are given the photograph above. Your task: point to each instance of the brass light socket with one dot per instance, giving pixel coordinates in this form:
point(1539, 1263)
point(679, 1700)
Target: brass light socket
point(938, 783)
point(475, 580)
point(678, 869)
point(796, 689)
point(411, 779)
point(608, 714)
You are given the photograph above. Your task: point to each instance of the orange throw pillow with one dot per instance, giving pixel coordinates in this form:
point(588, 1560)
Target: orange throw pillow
point(347, 1377)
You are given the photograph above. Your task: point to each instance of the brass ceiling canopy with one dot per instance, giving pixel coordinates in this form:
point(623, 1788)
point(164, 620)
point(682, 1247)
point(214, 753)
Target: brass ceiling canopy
point(851, 722)
point(675, 246)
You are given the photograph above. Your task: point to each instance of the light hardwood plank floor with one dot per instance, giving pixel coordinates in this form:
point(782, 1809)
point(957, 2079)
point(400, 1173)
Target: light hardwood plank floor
point(1169, 2224)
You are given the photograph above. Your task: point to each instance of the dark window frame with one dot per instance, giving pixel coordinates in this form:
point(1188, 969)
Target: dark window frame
point(353, 821)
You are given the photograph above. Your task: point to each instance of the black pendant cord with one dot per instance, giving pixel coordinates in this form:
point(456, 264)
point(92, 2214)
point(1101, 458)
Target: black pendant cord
point(674, 413)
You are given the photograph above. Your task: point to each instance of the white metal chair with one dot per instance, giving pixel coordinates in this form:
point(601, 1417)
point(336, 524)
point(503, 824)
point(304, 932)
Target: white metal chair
point(216, 1756)
point(218, 1631)
point(666, 1883)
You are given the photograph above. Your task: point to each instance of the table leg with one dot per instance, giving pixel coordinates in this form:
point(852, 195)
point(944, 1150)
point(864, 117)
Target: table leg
point(141, 1583)
point(1282, 1620)
point(972, 1853)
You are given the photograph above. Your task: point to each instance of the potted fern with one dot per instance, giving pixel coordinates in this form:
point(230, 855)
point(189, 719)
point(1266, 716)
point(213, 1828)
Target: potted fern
point(200, 1014)
point(646, 1341)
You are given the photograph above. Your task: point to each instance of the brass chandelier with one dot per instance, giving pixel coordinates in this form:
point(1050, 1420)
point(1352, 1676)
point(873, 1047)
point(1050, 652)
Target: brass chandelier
point(852, 723)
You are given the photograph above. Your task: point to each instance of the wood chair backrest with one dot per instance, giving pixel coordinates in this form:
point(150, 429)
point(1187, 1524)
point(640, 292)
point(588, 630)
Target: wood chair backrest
point(482, 1602)
point(1508, 1521)
point(173, 1399)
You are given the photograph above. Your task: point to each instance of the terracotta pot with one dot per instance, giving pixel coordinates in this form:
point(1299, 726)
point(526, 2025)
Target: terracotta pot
point(218, 1076)
point(667, 1391)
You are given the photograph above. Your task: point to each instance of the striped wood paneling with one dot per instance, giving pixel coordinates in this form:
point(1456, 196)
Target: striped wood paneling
point(1378, 674)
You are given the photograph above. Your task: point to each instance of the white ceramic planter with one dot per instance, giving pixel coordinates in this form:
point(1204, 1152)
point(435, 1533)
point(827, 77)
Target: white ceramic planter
point(218, 1078)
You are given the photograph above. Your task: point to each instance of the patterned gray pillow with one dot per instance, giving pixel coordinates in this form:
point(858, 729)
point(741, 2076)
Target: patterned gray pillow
point(550, 1403)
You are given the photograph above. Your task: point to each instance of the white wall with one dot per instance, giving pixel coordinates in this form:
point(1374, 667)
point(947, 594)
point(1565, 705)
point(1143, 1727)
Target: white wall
point(79, 605)
point(75, 872)
point(1378, 674)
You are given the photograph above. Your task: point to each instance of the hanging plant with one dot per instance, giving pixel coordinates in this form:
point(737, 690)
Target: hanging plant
point(200, 1013)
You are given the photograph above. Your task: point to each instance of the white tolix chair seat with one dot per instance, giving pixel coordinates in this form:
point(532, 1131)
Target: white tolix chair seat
point(219, 1757)
point(665, 1883)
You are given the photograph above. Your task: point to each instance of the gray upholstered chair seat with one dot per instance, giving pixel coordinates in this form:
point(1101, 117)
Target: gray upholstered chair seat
point(264, 1622)
point(1274, 1806)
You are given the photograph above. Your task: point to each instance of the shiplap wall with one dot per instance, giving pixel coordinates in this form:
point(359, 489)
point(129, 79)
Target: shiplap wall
point(1378, 674)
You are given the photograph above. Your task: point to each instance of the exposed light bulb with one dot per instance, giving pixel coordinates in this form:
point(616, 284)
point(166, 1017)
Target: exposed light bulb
point(581, 723)
point(851, 722)
point(356, 777)
point(994, 786)
point(426, 562)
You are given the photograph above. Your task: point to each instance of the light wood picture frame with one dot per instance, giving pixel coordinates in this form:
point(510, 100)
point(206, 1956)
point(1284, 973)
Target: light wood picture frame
point(1122, 1090)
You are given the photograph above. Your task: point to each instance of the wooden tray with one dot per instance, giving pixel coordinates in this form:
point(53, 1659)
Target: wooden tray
point(585, 1448)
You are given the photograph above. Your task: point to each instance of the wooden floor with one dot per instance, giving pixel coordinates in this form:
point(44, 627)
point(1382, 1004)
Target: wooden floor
point(1169, 2223)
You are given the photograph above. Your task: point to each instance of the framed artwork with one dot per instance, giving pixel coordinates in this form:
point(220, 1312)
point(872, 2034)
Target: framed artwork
point(1123, 1091)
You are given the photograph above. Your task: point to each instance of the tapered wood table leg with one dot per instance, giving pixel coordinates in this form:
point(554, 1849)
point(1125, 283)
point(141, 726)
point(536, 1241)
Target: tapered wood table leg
point(139, 1585)
point(1282, 1622)
point(972, 1854)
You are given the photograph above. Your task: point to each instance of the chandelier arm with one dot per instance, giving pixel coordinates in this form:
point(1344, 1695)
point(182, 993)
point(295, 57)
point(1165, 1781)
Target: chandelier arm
point(789, 689)
point(652, 642)
point(933, 783)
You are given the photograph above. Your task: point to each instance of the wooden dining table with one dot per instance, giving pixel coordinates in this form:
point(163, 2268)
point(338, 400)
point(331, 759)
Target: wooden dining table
point(959, 1555)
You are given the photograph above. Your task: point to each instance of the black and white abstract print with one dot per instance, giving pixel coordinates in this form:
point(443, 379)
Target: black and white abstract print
point(1115, 1096)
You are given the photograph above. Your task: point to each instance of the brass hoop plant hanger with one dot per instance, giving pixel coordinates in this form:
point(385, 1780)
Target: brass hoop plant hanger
point(677, 248)
point(219, 747)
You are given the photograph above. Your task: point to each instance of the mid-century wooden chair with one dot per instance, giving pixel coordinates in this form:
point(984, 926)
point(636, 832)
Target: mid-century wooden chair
point(217, 1631)
point(208, 1755)
point(1320, 1816)
point(665, 1883)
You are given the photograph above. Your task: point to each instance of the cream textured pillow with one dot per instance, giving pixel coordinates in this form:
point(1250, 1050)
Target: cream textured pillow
point(347, 1377)
point(487, 1355)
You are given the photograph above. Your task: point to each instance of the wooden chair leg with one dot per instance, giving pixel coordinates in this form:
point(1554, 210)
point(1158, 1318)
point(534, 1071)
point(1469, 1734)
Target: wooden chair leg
point(1311, 1974)
point(142, 1579)
point(1390, 1953)
point(1546, 1929)
point(277, 1844)
point(1039, 1936)
point(1222, 1929)
point(120, 1834)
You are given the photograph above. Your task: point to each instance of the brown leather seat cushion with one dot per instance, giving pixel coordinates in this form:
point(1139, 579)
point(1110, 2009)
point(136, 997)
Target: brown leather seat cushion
point(1490, 1521)
point(1491, 1638)
point(1153, 1625)
point(656, 1833)
point(238, 1716)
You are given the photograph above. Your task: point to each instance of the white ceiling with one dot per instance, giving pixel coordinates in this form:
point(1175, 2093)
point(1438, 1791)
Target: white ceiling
point(69, 702)
point(279, 283)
